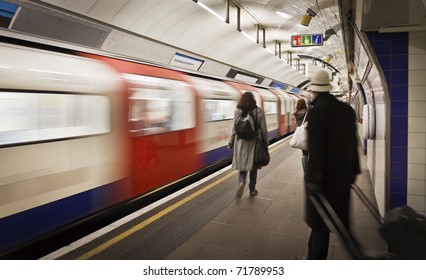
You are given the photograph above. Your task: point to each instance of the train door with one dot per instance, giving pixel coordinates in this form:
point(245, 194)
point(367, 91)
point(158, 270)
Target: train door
point(218, 101)
point(162, 124)
point(292, 109)
point(270, 107)
point(286, 109)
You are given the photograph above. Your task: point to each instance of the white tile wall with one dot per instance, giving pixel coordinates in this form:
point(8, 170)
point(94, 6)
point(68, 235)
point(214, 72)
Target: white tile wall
point(417, 93)
point(416, 184)
point(417, 108)
point(416, 187)
point(417, 61)
point(416, 140)
point(416, 202)
point(416, 171)
point(416, 77)
point(416, 124)
point(416, 45)
point(417, 156)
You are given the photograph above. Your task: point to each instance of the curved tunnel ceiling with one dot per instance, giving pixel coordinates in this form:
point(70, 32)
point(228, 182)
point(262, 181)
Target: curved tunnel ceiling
point(188, 26)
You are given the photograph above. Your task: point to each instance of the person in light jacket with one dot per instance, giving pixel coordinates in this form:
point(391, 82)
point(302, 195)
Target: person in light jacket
point(244, 148)
point(299, 114)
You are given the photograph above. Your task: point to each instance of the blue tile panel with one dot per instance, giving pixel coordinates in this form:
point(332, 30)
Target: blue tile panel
point(399, 93)
point(392, 52)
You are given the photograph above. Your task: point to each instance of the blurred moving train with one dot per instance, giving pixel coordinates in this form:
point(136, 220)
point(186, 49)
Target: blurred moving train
point(83, 132)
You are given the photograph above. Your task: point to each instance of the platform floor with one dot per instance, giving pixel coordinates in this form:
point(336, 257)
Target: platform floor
point(207, 222)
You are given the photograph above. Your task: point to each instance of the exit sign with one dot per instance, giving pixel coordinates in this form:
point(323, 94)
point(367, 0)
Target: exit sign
point(306, 40)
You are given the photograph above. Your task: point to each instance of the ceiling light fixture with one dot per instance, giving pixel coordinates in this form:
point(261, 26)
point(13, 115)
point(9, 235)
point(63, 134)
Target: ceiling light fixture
point(306, 19)
point(328, 33)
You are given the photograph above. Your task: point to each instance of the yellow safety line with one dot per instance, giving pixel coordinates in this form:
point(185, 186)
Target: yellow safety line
point(151, 219)
point(164, 212)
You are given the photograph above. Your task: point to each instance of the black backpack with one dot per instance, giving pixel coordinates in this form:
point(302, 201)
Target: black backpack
point(245, 125)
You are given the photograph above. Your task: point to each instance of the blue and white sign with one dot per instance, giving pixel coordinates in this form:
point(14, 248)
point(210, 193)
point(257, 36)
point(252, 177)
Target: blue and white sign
point(7, 10)
point(187, 62)
point(317, 39)
point(278, 85)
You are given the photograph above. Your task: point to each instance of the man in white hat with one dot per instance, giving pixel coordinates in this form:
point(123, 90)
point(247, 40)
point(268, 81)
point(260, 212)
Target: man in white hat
point(333, 160)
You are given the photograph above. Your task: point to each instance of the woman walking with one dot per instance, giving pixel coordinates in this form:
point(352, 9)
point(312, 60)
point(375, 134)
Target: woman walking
point(244, 148)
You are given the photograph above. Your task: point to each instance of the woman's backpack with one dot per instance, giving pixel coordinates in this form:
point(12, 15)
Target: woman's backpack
point(245, 126)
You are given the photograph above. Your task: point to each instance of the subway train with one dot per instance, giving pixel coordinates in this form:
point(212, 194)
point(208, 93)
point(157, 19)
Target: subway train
point(84, 132)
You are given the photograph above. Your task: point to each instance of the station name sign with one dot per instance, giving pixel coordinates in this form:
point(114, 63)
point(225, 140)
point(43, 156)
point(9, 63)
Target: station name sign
point(306, 40)
point(187, 62)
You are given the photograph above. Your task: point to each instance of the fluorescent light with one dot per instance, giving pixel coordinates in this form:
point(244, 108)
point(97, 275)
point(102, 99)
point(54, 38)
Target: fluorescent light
point(283, 15)
point(210, 11)
point(248, 36)
point(270, 51)
point(297, 8)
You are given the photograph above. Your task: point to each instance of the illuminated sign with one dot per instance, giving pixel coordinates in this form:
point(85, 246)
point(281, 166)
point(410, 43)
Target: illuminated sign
point(306, 40)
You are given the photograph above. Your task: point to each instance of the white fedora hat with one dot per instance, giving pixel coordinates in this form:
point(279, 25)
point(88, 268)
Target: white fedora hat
point(320, 82)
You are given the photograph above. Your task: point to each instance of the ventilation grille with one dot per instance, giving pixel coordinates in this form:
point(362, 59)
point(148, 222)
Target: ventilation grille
point(60, 27)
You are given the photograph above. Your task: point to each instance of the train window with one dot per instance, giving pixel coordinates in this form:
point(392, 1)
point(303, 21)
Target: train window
point(218, 110)
point(33, 117)
point(159, 105)
point(270, 107)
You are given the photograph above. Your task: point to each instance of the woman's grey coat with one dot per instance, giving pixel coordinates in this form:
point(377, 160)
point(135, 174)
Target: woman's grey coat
point(244, 149)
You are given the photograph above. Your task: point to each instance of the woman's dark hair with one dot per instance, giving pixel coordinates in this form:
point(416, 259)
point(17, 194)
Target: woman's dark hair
point(247, 102)
point(301, 104)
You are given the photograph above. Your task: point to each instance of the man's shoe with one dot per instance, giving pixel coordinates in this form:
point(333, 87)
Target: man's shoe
point(240, 190)
point(254, 193)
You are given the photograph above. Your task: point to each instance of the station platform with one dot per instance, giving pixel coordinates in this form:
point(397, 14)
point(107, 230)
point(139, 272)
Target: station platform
point(205, 221)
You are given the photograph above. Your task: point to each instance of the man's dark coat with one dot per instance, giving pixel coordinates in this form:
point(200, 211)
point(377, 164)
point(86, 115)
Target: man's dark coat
point(333, 156)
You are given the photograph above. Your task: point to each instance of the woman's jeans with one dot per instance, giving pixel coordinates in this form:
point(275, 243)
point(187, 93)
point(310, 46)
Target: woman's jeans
point(253, 178)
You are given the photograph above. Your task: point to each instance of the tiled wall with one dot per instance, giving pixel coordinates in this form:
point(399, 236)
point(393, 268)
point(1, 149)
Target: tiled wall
point(392, 52)
point(402, 57)
point(416, 173)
